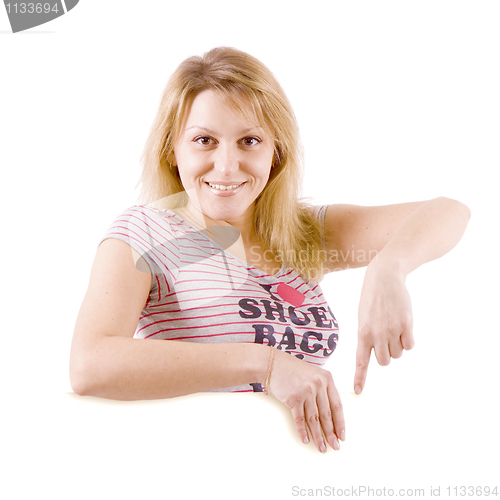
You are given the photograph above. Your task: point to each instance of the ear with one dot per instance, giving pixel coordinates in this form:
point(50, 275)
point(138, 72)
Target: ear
point(171, 159)
point(276, 157)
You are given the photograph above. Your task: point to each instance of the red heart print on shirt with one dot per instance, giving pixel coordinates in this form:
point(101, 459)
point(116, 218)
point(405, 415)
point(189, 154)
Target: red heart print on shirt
point(291, 295)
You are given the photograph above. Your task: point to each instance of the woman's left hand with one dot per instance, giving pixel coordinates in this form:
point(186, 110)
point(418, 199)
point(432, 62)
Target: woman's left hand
point(385, 321)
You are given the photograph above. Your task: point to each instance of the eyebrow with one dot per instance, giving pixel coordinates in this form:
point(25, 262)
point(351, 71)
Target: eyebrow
point(243, 132)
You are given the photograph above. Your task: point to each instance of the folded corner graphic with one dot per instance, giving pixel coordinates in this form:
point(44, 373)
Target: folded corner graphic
point(26, 15)
point(70, 4)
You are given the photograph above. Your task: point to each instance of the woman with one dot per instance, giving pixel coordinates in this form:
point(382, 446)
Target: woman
point(224, 261)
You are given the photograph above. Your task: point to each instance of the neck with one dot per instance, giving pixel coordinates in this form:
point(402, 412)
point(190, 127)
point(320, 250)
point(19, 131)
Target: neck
point(203, 222)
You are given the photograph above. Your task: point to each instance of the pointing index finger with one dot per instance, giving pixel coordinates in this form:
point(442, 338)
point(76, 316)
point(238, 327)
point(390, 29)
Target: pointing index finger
point(363, 353)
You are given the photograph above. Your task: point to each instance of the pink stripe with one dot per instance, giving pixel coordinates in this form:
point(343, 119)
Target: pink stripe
point(147, 244)
point(170, 236)
point(196, 336)
point(217, 305)
point(166, 282)
point(233, 295)
point(139, 244)
point(142, 222)
point(159, 288)
point(206, 264)
point(143, 210)
point(239, 323)
point(294, 279)
point(275, 322)
point(288, 273)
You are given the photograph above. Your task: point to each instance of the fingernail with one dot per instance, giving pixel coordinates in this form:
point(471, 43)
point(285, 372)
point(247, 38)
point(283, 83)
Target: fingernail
point(342, 435)
point(357, 389)
point(322, 448)
point(305, 440)
point(336, 444)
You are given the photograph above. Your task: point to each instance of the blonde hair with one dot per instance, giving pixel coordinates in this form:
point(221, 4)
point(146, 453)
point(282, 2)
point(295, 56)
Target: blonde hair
point(283, 224)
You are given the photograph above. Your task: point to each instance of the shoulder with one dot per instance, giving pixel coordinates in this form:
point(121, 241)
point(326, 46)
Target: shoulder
point(140, 212)
point(144, 218)
point(150, 231)
point(317, 211)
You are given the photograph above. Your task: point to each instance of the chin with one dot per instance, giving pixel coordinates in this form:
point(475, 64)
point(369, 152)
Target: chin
point(223, 213)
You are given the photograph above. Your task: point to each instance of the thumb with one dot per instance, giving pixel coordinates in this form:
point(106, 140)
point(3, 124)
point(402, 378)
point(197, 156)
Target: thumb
point(363, 353)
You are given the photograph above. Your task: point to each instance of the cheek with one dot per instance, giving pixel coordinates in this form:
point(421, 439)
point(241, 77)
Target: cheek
point(264, 159)
point(265, 168)
point(185, 175)
point(190, 168)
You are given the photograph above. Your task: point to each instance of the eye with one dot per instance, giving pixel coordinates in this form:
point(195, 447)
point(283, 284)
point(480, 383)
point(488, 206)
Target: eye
point(204, 140)
point(251, 141)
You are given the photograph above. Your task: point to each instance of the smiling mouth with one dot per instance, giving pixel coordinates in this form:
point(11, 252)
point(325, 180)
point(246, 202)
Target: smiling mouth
point(221, 187)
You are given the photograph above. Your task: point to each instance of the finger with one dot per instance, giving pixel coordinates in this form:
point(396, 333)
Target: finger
point(362, 360)
point(313, 422)
point(382, 354)
point(299, 419)
point(326, 420)
point(396, 348)
point(407, 340)
point(337, 411)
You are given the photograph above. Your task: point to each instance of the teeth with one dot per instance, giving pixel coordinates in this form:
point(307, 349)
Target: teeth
point(223, 188)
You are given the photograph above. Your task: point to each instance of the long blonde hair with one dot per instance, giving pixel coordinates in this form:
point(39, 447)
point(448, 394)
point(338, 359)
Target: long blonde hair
point(283, 224)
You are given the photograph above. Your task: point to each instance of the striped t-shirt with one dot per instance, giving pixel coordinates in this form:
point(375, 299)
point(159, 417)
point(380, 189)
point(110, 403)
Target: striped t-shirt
point(201, 293)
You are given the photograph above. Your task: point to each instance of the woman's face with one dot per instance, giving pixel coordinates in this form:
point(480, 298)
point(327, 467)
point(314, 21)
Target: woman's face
point(224, 161)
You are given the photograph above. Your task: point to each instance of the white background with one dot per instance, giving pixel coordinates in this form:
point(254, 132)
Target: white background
point(397, 101)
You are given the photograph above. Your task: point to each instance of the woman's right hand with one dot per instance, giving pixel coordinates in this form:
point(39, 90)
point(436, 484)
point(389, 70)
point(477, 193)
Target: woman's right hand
point(311, 395)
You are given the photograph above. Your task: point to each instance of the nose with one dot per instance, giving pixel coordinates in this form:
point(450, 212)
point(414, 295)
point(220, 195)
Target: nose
point(226, 159)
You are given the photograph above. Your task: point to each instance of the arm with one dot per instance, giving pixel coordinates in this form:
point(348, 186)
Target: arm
point(107, 362)
point(391, 241)
point(356, 234)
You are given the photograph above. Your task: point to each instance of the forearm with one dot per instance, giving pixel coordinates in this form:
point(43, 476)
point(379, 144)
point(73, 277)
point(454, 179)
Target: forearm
point(124, 368)
point(429, 232)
